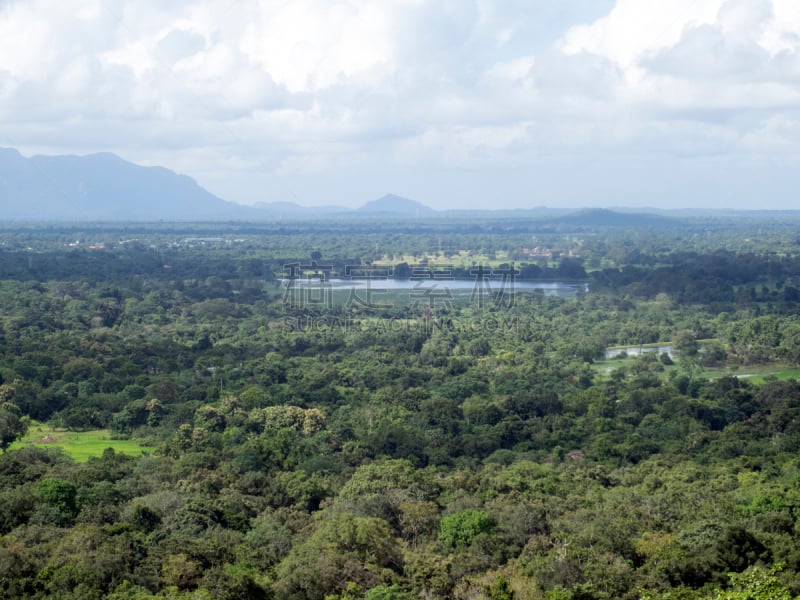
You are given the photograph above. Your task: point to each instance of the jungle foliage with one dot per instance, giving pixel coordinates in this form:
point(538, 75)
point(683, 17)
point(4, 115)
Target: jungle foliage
point(410, 451)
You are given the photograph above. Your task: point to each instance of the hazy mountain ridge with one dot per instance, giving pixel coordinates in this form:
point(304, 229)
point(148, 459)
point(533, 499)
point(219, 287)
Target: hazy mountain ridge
point(603, 217)
point(294, 210)
point(102, 187)
point(105, 187)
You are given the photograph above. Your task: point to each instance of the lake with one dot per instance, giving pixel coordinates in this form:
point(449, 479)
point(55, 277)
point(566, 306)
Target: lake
point(638, 350)
point(382, 293)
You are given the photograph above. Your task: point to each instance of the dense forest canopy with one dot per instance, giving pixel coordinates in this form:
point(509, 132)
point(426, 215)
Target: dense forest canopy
point(501, 442)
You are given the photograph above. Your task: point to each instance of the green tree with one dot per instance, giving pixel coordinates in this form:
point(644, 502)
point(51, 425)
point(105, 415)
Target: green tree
point(362, 548)
point(461, 528)
point(756, 583)
point(58, 494)
point(12, 425)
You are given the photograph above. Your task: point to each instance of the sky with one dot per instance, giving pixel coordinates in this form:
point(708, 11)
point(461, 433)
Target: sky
point(454, 103)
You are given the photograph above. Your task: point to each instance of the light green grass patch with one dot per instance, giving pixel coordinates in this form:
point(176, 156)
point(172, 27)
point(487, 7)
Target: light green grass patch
point(758, 374)
point(80, 445)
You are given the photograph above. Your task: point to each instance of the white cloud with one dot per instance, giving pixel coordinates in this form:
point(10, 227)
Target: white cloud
point(636, 27)
point(310, 44)
point(264, 88)
point(744, 18)
point(700, 78)
point(179, 44)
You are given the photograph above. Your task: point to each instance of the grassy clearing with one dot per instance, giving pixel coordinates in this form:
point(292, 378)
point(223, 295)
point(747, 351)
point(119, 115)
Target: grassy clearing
point(757, 374)
point(80, 445)
point(460, 258)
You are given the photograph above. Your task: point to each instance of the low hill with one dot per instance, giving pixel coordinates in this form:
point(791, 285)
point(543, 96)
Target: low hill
point(397, 206)
point(601, 217)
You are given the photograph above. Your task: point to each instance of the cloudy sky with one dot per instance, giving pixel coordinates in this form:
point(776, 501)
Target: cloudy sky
point(455, 103)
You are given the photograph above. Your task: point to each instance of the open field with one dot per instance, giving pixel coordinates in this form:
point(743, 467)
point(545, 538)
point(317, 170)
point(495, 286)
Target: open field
point(757, 374)
point(754, 373)
point(80, 445)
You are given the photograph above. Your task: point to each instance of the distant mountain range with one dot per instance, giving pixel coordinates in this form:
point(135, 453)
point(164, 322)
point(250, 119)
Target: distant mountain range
point(389, 205)
point(100, 187)
point(104, 187)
